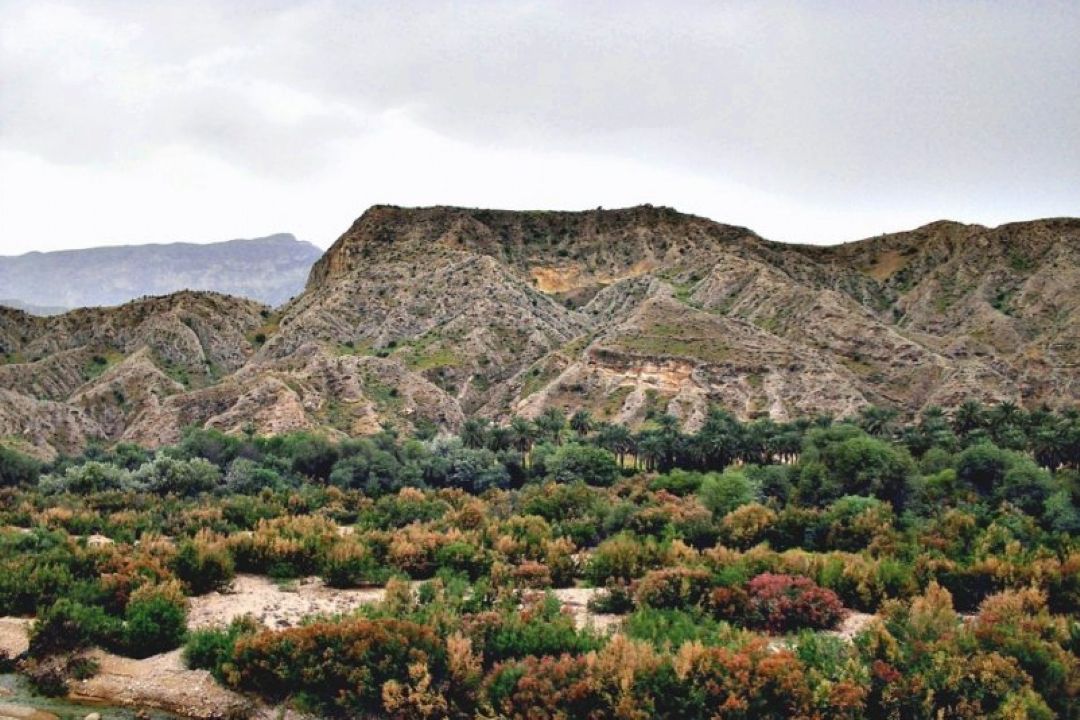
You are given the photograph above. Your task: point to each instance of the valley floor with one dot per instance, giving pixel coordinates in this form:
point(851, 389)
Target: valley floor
point(163, 682)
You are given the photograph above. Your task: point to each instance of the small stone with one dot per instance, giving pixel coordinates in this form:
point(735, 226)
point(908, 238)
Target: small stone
point(93, 716)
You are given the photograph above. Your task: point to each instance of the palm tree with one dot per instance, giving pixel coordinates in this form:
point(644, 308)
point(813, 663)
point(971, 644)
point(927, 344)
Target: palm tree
point(1007, 413)
point(916, 440)
point(1006, 425)
point(650, 449)
point(581, 422)
point(1071, 441)
point(758, 444)
point(932, 415)
point(1047, 446)
point(474, 433)
point(615, 438)
point(524, 433)
point(877, 420)
point(552, 424)
point(967, 418)
point(719, 439)
point(788, 444)
point(500, 438)
point(671, 438)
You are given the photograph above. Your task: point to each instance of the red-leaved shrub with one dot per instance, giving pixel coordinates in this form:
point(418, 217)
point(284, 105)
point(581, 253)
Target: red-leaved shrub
point(782, 603)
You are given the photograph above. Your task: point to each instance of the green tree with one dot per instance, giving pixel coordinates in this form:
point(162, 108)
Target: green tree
point(592, 465)
point(616, 439)
point(581, 422)
point(862, 465)
point(165, 475)
point(723, 492)
point(552, 425)
point(16, 468)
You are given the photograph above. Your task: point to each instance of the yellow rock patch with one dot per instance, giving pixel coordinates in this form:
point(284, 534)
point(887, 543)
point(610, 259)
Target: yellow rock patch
point(551, 279)
point(886, 265)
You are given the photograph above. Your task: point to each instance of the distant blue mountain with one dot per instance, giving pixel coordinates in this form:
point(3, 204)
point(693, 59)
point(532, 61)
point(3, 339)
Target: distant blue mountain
point(270, 269)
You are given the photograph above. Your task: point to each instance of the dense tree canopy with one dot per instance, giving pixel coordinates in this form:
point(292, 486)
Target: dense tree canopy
point(730, 553)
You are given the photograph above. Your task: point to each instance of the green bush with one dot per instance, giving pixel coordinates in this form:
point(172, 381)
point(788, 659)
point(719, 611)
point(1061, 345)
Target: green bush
point(213, 648)
point(672, 628)
point(539, 629)
point(248, 477)
point(677, 482)
point(616, 599)
point(862, 465)
point(16, 468)
point(69, 625)
point(350, 564)
point(164, 475)
point(90, 477)
point(623, 558)
point(155, 620)
point(723, 492)
point(203, 565)
point(674, 588)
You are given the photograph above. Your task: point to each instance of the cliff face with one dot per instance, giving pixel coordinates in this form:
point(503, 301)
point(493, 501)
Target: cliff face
point(425, 316)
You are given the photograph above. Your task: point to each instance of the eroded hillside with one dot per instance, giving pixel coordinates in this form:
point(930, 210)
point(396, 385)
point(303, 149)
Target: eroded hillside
point(421, 317)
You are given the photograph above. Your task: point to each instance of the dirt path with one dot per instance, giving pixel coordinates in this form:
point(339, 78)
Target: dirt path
point(273, 605)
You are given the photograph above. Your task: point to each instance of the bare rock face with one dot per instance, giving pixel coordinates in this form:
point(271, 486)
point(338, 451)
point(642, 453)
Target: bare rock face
point(42, 427)
point(421, 317)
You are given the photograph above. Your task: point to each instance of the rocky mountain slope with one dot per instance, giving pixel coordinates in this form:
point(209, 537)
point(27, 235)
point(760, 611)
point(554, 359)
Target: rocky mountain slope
point(270, 269)
point(422, 317)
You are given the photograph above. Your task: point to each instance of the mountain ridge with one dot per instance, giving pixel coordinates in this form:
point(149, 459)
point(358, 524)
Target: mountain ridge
point(271, 269)
point(425, 316)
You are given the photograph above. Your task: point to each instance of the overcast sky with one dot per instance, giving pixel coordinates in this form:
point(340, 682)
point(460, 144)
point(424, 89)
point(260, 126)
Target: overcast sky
point(135, 121)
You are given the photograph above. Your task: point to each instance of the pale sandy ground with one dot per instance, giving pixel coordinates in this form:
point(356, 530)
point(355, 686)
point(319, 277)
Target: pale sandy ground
point(12, 711)
point(13, 639)
point(576, 602)
point(161, 682)
point(852, 624)
point(278, 606)
point(274, 605)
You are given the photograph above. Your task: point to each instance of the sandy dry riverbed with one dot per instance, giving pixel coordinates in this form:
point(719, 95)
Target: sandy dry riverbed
point(13, 637)
point(576, 602)
point(161, 682)
point(275, 605)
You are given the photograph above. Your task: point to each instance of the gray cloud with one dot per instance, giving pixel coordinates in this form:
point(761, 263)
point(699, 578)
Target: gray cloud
point(973, 104)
